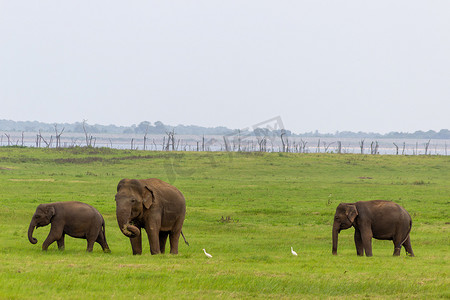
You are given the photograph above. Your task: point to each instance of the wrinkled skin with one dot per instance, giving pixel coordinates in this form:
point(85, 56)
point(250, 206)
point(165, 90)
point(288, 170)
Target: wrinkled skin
point(379, 219)
point(73, 218)
point(154, 205)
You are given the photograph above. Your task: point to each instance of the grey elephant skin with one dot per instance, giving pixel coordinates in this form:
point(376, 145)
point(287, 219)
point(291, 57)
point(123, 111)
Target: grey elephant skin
point(76, 219)
point(154, 205)
point(379, 219)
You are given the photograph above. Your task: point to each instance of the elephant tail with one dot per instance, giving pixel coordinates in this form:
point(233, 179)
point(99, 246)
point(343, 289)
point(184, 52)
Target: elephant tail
point(407, 235)
point(187, 243)
point(103, 228)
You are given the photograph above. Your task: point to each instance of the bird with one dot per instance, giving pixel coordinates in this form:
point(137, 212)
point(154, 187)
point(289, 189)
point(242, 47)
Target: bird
point(293, 252)
point(207, 254)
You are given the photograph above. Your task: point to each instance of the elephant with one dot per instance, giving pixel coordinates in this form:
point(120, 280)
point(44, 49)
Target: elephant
point(154, 205)
point(379, 219)
point(77, 219)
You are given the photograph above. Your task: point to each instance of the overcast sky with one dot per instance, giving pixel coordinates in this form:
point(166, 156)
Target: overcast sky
point(376, 66)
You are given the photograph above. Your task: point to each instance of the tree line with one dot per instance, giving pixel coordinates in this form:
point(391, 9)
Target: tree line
point(159, 127)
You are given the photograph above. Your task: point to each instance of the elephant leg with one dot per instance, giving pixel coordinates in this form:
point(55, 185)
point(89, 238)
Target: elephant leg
point(366, 237)
point(136, 245)
point(408, 248)
point(55, 234)
point(174, 238)
point(153, 239)
point(397, 240)
point(48, 241)
point(162, 240)
point(60, 242)
point(153, 236)
point(359, 243)
point(91, 237)
point(90, 244)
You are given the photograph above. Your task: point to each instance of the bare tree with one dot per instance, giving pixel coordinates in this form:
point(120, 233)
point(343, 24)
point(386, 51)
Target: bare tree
point(396, 148)
point(170, 139)
point(283, 142)
point(361, 145)
point(239, 140)
point(145, 136)
point(339, 147)
point(262, 144)
point(303, 146)
point(58, 136)
point(327, 146)
point(41, 138)
point(89, 138)
point(426, 147)
point(227, 147)
point(8, 136)
point(374, 148)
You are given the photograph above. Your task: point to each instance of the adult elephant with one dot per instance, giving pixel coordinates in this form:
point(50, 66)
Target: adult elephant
point(380, 219)
point(154, 205)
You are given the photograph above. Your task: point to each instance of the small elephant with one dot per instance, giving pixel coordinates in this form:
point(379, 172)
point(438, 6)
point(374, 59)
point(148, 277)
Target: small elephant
point(379, 219)
point(79, 220)
point(152, 204)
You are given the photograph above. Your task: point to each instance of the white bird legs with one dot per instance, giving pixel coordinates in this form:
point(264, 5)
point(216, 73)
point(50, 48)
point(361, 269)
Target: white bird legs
point(293, 252)
point(207, 254)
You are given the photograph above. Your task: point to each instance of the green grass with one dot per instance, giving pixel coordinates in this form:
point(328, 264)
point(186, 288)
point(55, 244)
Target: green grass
point(246, 209)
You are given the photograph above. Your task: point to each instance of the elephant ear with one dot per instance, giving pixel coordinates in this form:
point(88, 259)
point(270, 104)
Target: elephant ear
point(149, 197)
point(121, 184)
point(351, 212)
point(50, 212)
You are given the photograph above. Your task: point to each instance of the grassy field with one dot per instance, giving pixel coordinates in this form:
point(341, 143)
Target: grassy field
point(246, 209)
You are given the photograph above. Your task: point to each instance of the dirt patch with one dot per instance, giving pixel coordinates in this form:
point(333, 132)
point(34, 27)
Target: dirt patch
point(4, 168)
point(136, 266)
point(84, 160)
point(44, 180)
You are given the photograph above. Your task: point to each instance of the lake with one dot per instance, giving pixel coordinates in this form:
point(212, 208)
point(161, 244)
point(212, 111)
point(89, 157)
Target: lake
point(232, 143)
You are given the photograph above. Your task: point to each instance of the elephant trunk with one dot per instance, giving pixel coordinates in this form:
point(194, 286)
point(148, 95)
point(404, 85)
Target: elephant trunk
point(30, 232)
point(125, 226)
point(336, 230)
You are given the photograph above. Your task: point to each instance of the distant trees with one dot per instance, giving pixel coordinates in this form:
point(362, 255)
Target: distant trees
point(159, 127)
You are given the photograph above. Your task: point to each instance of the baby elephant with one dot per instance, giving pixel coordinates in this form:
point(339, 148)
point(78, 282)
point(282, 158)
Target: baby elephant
point(379, 219)
point(76, 219)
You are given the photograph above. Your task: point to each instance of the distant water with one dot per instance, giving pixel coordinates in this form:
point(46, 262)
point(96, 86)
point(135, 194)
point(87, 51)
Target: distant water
point(235, 143)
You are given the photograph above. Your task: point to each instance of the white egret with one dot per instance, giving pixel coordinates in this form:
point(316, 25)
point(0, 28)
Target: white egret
point(207, 254)
point(293, 252)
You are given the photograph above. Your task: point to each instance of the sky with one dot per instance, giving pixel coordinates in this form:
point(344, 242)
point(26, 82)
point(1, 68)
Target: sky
point(372, 66)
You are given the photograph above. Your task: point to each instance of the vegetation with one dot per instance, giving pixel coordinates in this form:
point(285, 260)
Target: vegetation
point(159, 127)
point(246, 209)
